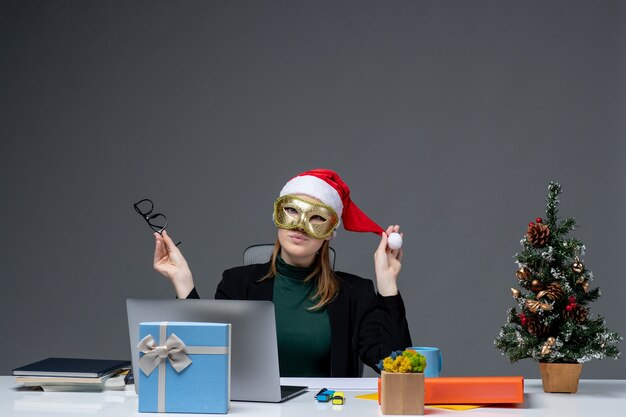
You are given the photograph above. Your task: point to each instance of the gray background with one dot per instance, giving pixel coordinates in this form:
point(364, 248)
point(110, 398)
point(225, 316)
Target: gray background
point(446, 117)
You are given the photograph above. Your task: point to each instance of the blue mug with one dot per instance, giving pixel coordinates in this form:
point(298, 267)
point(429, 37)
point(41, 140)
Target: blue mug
point(433, 360)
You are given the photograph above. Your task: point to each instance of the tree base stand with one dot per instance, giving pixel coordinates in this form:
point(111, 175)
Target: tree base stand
point(560, 377)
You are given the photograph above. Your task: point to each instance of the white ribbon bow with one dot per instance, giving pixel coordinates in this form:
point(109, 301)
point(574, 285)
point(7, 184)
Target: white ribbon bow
point(174, 349)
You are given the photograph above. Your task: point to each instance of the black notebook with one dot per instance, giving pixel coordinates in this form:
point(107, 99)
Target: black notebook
point(71, 367)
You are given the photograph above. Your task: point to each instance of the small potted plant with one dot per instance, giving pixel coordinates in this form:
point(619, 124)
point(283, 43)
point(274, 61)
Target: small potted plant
point(554, 325)
point(402, 383)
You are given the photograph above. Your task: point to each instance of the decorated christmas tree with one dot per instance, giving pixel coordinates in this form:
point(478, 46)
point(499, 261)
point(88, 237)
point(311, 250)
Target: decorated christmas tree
point(552, 321)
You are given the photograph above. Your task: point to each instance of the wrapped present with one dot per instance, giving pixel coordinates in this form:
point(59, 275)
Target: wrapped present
point(184, 367)
point(475, 390)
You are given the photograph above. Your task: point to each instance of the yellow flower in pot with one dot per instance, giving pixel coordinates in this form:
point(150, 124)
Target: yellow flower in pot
point(402, 383)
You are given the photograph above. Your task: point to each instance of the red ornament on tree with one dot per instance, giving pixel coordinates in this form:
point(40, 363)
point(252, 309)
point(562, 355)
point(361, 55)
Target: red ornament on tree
point(572, 299)
point(523, 319)
point(538, 220)
point(570, 307)
point(531, 224)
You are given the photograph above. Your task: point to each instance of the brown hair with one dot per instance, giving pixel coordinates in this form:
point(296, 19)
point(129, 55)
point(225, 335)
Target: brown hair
point(326, 281)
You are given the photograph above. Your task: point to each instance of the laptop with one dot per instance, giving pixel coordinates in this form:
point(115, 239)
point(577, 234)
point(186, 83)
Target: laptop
point(254, 351)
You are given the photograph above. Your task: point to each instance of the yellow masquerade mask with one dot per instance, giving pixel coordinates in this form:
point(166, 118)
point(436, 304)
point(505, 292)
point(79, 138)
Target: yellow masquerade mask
point(315, 219)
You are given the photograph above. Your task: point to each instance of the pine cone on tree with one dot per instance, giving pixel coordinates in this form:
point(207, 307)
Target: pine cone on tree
point(554, 292)
point(577, 313)
point(537, 234)
point(536, 327)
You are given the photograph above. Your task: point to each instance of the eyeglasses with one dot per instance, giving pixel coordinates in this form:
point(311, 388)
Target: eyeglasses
point(156, 221)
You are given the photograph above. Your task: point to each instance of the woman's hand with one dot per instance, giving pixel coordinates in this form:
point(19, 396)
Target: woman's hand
point(170, 262)
point(387, 265)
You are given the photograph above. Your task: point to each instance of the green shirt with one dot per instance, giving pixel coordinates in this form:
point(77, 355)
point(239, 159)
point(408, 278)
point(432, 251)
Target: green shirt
point(303, 335)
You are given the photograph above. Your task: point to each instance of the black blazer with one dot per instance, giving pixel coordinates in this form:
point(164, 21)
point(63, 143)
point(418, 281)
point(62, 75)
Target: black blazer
point(363, 324)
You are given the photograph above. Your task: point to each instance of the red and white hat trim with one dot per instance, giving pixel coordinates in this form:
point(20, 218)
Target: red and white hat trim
point(316, 188)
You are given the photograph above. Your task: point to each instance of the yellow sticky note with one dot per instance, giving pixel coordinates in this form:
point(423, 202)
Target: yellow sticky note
point(455, 407)
point(373, 396)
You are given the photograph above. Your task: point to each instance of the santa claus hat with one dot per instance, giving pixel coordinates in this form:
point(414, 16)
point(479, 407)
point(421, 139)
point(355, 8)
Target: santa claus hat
point(326, 186)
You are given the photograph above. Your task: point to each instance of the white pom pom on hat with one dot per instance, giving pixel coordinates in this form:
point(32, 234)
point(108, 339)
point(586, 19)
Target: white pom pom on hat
point(394, 241)
point(328, 187)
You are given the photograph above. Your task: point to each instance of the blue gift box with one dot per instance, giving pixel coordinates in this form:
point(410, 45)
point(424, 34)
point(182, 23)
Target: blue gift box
point(184, 367)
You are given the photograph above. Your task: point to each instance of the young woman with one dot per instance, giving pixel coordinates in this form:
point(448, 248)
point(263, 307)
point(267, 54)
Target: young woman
point(326, 321)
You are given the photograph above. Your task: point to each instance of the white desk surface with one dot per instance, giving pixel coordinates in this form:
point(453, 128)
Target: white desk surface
point(594, 398)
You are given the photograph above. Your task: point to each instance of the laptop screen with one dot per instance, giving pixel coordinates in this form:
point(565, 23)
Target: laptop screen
point(254, 352)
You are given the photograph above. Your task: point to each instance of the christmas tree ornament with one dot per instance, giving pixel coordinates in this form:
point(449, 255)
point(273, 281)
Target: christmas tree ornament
point(523, 319)
point(535, 306)
point(578, 266)
point(523, 273)
point(547, 346)
point(394, 241)
point(582, 281)
point(536, 286)
point(572, 304)
point(560, 309)
point(537, 234)
point(575, 312)
point(554, 292)
point(536, 327)
point(585, 285)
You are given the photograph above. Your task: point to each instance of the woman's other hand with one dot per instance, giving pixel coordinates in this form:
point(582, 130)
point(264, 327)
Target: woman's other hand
point(170, 262)
point(387, 265)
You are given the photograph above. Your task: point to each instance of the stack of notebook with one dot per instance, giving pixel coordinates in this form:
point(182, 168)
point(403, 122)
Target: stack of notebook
point(72, 374)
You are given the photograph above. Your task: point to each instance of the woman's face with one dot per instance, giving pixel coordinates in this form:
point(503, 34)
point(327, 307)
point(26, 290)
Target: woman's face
point(298, 248)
